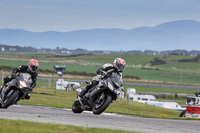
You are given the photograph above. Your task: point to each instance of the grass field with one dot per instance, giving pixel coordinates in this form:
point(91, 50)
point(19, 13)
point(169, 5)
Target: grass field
point(96, 59)
point(164, 76)
point(89, 64)
point(162, 90)
point(190, 67)
point(65, 99)
point(19, 126)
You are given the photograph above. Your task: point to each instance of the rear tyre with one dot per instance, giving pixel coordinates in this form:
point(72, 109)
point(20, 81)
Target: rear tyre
point(76, 107)
point(10, 100)
point(182, 113)
point(98, 109)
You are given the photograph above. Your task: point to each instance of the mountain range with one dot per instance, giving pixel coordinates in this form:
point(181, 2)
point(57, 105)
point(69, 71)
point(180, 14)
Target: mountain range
point(182, 34)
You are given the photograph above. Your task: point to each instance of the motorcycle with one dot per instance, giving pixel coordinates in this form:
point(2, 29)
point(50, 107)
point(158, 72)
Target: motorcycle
point(19, 87)
point(192, 106)
point(99, 97)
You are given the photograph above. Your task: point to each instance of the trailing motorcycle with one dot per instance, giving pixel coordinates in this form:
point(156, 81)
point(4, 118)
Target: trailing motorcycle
point(19, 87)
point(99, 97)
point(192, 106)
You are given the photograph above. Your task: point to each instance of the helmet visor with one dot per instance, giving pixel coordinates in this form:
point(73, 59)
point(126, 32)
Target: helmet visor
point(121, 66)
point(34, 68)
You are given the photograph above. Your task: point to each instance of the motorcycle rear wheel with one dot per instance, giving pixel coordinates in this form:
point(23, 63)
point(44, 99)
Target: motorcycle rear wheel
point(10, 100)
point(182, 113)
point(76, 107)
point(98, 110)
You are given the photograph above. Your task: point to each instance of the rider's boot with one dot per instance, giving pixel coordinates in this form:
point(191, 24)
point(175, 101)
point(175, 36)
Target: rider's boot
point(84, 91)
point(28, 96)
point(0, 96)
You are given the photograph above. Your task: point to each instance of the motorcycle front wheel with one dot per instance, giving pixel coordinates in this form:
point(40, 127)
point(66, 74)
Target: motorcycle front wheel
point(100, 107)
point(10, 99)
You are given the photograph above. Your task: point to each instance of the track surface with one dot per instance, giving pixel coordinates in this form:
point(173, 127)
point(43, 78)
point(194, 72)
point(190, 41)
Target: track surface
point(111, 121)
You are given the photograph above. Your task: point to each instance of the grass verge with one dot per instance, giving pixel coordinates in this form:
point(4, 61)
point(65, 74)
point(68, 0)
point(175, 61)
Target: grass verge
point(65, 99)
point(19, 126)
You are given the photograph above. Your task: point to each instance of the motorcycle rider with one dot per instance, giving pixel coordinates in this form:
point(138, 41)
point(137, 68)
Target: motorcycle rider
point(117, 66)
point(31, 68)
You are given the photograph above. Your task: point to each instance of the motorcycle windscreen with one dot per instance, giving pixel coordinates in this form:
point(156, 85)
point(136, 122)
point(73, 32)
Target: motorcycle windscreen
point(26, 77)
point(116, 80)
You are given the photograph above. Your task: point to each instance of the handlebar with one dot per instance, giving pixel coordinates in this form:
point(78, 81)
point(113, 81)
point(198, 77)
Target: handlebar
point(197, 94)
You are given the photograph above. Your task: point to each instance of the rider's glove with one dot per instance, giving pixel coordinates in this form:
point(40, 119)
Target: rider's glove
point(13, 76)
point(123, 89)
point(103, 73)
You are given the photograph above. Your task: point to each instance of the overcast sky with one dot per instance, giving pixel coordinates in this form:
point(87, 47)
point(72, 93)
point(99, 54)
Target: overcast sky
point(70, 15)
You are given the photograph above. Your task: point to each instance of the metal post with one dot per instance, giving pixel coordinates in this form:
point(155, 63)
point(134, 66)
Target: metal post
point(49, 82)
point(181, 77)
point(59, 70)
point(55, 91)
point(56, 84)
point(2, 80)
point(61, 82)
point(128, 99)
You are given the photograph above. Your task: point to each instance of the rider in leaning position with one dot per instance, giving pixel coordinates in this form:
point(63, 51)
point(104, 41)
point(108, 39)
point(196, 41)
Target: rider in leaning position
point(31, 68)
point(117, 66)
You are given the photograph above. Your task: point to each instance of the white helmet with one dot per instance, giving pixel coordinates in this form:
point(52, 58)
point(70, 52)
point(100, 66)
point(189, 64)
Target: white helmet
point(119, 64)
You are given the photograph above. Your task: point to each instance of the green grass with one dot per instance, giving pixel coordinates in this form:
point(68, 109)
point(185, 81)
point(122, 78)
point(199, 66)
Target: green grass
point(19, 126)
point(102, 59)
point(49, 66)
point(65, 99)
point(165, 76)
point(89, 64)
point(182, 72)
point(189, 67)
point(131, 60)
point(162, 90)
point(98, 59)
point(38, 56)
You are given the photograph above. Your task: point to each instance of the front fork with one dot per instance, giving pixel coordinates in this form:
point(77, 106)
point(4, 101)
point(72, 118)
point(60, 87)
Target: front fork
point(3, 92)
point(102, 97)
point(93, 94)
point(6, 87)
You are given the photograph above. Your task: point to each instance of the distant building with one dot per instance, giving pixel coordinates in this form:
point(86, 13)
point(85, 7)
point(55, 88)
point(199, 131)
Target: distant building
point(65, 52)
point(79, 51)
point(12, 49)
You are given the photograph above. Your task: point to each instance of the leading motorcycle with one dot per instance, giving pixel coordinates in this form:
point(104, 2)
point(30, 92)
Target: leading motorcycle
point(99, 97)
point(19, 87)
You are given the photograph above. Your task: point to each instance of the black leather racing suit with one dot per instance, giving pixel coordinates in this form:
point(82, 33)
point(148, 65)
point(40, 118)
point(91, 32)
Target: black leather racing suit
point(104, 70)
point(24, 69)
point(16, 71)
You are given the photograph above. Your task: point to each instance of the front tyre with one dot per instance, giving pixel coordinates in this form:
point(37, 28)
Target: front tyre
point(76, 107)
point(10, 100)
point(100, 107)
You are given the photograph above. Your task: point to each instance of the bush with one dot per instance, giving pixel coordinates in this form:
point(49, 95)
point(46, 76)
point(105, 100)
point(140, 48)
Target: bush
point(157, 61)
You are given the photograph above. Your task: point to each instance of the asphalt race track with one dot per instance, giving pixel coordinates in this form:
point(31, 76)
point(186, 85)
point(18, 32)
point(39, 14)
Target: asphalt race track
point(105, 120)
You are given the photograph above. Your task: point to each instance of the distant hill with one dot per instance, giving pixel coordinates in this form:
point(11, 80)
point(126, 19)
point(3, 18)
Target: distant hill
point(183, 34)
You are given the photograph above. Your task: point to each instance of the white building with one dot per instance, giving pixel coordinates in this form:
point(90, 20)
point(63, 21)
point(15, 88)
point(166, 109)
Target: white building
point(61, 84)
point(151, 100)
point(131, 92)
